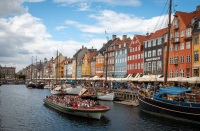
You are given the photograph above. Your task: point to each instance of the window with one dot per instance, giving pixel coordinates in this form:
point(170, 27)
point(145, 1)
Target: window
point(188, 58)
point(176, 73)
point(154, 42)
point(141, 65)
point(182, 33)
point(188, 32)
point(171, 60)
point(196, 72)
point(196, 39)
point(159, 52)
point(159, 41)
point(138, 65)
point(182, 59)
point(181, 73)
point(120, 46)
point(138, 48)
point(182, 46)
point(159, 65)
point(135, 48)
point(175, 24)
point(153, 66)
point(171, 73)
point(149, 66)
point(138, 56)
point(154, 53)
point(149, 53)
point(187, 45)
point(196, 56)
point(176, 39)
point(149, 44)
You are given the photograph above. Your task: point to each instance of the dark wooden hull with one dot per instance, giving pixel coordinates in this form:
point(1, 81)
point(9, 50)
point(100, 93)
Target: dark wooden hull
point(184, 113)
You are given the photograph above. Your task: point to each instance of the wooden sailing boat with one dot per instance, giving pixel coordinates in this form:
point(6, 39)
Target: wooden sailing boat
point(174, 102)
point(30, 84)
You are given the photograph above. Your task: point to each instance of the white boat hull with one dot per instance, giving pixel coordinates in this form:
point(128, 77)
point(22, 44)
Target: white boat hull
point(57, 90)
point(106, 96)
point(73, 90)
point(89, 113)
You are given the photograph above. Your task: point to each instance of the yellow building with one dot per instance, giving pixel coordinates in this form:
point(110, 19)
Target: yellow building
point(196, 47)
point(86, 66)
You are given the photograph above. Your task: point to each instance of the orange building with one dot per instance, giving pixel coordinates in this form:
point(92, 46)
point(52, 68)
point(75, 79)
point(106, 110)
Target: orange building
point(180, 48)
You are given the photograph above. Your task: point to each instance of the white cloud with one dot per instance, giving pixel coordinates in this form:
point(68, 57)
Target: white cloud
point(118, 22)
point(25, 36)
point(11, 7)
point(111, 2)
point(34, 0)
point(58, 28)
point(14, 7)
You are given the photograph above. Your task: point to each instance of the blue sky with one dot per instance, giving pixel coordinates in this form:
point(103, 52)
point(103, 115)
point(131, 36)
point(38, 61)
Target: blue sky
point(40, 27)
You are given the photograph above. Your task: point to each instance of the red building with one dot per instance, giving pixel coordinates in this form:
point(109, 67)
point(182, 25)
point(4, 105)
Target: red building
point(135, 55)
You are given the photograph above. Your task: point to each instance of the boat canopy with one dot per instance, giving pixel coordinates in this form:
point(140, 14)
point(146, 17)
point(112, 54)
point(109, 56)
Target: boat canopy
point(173, 90)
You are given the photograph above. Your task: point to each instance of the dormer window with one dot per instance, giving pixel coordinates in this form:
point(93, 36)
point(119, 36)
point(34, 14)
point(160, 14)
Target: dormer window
point(176, 24)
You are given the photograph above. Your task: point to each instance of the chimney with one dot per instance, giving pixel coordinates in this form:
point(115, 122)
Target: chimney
point(198, 8)
point(82, 46)
point(124, 37)
point(114, 37)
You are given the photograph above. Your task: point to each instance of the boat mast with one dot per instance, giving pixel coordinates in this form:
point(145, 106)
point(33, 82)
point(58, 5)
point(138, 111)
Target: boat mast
point(31, 67)
point(36, 68)
point(168, 43)
point(57, 67)
point(106, 64)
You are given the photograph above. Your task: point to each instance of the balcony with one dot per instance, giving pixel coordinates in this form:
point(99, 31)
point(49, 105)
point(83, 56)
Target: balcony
point(176, 40)
point(176, 61)
point(187, 38)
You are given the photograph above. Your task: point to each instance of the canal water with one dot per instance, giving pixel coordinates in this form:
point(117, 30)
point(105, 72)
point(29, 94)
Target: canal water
point(22, 109)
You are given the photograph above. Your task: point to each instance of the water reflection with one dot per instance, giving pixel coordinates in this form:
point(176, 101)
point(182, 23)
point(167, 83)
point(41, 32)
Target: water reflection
point(22, 109)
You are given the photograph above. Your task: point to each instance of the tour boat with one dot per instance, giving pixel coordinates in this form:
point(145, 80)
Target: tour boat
point(74, 105)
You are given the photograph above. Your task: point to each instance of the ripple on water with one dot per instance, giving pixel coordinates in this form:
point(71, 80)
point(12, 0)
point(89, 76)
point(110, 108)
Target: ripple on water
point(22, 109)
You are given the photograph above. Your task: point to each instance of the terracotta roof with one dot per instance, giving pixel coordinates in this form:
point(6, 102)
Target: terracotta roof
point(141, 38)
point(91, 54)
point(158, 33)
point(187, 17)
point(122, 41)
